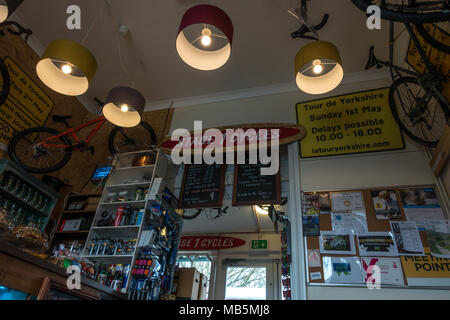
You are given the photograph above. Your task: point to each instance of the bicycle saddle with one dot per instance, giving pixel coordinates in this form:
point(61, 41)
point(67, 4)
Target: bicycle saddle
point(61, 118)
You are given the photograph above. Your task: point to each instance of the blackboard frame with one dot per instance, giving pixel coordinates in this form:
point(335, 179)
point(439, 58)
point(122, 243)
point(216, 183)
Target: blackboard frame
point(255, 203)
point(219, 204)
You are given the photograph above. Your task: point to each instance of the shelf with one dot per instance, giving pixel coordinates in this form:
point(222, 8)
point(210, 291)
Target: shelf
point(79, 211)
point(112, 259)
point(121, 231)
point(135, 184)
point(137, 167)
point(122, 203)
point(24, 203)
point(68, 234)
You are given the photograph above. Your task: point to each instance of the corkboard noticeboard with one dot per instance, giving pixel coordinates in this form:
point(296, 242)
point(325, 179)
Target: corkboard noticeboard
point(373, 224)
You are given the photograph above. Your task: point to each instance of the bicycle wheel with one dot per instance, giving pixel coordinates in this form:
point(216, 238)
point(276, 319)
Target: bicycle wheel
point(403, 11)
point(123, 140)
point(5, 80)
point(421, 115)
point(430, 33)
point(190, 215)
point(26, 150)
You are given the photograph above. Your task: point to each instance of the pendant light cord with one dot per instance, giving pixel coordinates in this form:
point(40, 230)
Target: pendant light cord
point(99, 17)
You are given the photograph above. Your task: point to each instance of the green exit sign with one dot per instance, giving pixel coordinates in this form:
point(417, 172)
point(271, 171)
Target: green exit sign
point(259, 244)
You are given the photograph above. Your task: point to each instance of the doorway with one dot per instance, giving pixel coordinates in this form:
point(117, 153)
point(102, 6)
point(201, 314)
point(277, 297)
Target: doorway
point(250, 281)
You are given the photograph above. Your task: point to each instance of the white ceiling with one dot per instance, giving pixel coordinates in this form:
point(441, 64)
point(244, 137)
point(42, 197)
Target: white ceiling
point(263, 51)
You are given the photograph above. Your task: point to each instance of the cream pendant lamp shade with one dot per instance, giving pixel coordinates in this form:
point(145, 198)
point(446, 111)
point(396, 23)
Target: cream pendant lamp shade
point(7, 7)
point(124, 107)
point(195, 57)
point(318, 68)
point(3, 12)
point(67, 67)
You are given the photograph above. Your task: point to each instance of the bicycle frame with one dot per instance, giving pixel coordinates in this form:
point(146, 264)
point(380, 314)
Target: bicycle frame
point(72, 132)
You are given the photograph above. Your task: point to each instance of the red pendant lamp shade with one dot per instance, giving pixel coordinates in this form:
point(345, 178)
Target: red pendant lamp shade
point(204, 59)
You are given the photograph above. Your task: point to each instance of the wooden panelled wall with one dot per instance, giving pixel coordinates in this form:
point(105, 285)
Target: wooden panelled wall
point(78, 171)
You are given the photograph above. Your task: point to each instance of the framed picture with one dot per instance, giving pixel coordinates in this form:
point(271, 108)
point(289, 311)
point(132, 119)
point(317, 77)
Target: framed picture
point(334, 243)
point(72, 225)
point(51, 290)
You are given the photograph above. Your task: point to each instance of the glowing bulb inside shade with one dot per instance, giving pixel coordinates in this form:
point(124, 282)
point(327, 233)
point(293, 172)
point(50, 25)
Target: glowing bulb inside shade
point(318, 68)
point(124, 108)
point(206, 39)
point(66, 69)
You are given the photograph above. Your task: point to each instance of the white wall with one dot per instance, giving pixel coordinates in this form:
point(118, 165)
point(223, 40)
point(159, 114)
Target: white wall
point(397, 168)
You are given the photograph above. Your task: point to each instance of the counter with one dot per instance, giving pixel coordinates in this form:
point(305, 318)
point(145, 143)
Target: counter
point(24, 272)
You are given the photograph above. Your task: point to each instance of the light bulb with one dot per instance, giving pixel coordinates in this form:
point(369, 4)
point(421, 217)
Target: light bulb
point(206, 39)
point(66, 69)
point(318, 68)
point(124, 108)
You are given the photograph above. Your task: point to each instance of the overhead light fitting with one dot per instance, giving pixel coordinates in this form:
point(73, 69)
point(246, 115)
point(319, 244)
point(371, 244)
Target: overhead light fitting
point(261, 210)
point(67, 67)
point(206, 60)
point(7, 7)
point(124, 107)
point(318, 68)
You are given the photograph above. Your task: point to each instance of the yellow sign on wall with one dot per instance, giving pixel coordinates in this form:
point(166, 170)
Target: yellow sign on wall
point(426, 266)
point(27, 105)
point(353, 123)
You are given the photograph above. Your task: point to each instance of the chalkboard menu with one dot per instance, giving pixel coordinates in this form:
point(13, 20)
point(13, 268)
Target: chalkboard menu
point(252, 188)
point(203, 186)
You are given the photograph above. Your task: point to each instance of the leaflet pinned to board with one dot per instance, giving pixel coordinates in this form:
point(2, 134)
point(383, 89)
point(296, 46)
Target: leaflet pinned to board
point(345, 223)
point(342, 270)
point(438, 235)
point(347, 201)
point(380, 244)
point(385, 270)
point(420, 205)
point(334, 243)
point(407, 238)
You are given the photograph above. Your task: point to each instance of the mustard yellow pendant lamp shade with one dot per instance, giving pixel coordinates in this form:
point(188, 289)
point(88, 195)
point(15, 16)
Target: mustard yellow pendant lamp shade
point(318, 68)
point(67, 67)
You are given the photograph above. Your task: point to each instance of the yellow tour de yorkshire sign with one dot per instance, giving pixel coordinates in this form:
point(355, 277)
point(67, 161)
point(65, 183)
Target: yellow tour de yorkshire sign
point(27, 106)
point(354, 123)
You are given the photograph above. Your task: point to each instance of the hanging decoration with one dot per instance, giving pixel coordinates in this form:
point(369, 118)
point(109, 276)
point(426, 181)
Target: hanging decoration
point(207, 50)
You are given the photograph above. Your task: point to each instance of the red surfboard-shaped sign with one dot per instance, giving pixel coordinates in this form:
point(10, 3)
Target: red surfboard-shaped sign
point(287, 133)
point(203, 243)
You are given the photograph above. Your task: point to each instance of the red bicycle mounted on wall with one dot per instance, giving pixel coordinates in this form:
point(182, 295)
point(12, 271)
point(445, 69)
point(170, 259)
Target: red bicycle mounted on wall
point(43, 150)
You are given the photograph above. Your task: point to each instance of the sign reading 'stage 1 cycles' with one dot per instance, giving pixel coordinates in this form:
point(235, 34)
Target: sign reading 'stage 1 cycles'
point(354, 123)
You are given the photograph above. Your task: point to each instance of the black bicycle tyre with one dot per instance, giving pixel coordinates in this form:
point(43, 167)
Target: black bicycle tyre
point(396, 16)
point(20, 135)
point(114, 132)
point(431, 40)
point(6, 82)
point(192, 216)
point(404, 128)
